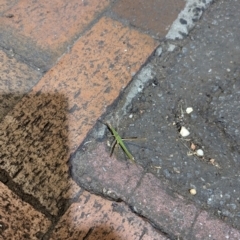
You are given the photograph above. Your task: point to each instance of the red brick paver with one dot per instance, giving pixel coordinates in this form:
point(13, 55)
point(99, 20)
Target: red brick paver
point(19, 220)
point(93, 217)
point(34, 146)
point(206, 227)
point(175, 215)
point(172, 214)
point(152, 16)
point(52, 121)
point(115, 179)
point(43, 18)
point(36, 28)
point(91, 76)
point(16, 79)
point(148, 197)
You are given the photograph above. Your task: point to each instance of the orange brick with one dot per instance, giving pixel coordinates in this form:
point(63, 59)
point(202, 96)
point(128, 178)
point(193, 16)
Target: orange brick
point(91, 76)
point(17, 79)
point(152, 16)
point(97, 218)
point(19, 220)
point(39, 135)
point(51, 23)
point(47, 26)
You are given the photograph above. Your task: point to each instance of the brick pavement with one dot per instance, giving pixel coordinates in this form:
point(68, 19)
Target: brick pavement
point(19, 220)
point(147, 196)
point(62, 65)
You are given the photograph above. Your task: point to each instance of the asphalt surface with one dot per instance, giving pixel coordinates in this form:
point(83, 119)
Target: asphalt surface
point(199, 72)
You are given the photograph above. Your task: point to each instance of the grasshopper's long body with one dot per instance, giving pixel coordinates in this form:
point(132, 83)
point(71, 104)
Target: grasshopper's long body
point(120, 142)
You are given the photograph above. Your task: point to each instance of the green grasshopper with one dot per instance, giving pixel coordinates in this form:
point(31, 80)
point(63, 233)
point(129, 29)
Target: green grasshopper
point(119, 140)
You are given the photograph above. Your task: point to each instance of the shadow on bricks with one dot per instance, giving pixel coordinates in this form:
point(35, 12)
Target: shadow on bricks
point(91, 233)
point(35, 149)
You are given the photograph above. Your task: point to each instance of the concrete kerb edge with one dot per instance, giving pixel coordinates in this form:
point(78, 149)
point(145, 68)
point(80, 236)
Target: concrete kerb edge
point(180, 28)
point(187, 19)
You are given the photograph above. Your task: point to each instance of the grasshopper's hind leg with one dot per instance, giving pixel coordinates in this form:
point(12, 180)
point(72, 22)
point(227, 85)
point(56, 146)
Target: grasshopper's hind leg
point(112, 147)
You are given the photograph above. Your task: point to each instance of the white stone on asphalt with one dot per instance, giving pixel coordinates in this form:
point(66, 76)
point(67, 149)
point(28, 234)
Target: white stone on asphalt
point(200, 153)
point(159, 52)
point(193, 191)
point(184, 132)
point(189, 110)
point(171, 47)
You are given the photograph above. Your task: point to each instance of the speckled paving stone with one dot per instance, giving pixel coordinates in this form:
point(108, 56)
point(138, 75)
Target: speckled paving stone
point(93, 217)
point(41, 132)
point(206, 227)
point(42, 36)
point(6, 4)
point(19, 220)
point(172, 214)
point(153, 16)
point(150, 198)
point(104, 174)
point(16, 79)
point(175, 216)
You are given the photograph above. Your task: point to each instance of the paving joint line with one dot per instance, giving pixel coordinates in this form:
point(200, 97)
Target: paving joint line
point(130, 207)
point(89, 232)
point(69, 45)
point(158, 228)
point(19, 58)
point(127, 23)
point(87, 28)
point(189, 234)
point(16, 189)
point(56, 219)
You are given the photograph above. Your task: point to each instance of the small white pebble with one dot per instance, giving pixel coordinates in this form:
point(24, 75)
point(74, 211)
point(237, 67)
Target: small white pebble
point(171, 47)
point(189, 110)
point(159, 51)
point(130, 116)
point(193, 191)
point(200, 152)
point(184, 132)
point(228, 70)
